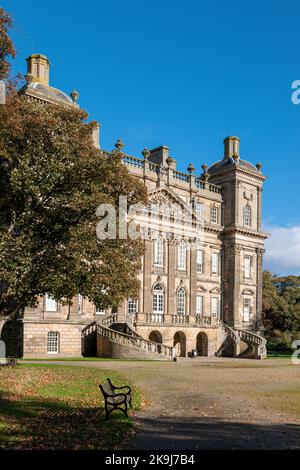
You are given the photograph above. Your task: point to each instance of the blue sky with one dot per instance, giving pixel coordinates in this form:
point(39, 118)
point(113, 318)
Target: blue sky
point(185, 74)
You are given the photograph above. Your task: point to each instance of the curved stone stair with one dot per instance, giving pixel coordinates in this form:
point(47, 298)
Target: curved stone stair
point(242, 344)
point(117, 339)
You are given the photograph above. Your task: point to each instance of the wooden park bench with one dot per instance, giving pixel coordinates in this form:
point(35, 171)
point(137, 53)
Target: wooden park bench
point(116, 398)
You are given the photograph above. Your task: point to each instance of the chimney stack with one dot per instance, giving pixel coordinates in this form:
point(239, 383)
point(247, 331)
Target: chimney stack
point(231, 147)
point(38, 67)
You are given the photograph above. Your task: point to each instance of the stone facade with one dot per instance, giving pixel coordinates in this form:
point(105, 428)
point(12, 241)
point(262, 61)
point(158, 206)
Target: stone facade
point(186, 294)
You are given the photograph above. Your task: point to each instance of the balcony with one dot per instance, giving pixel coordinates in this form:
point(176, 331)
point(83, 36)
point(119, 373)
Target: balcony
point(170, 320)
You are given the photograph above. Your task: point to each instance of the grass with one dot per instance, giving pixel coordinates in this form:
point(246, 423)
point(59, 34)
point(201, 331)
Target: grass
point(278, 355)
point(59, 407)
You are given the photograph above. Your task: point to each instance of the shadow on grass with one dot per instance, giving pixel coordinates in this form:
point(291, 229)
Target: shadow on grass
point(169, 433)
point(31, 423)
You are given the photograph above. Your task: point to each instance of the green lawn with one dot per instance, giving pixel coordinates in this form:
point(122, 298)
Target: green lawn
point(59, 407)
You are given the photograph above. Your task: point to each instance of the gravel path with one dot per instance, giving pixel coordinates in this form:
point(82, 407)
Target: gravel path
point(213, 403)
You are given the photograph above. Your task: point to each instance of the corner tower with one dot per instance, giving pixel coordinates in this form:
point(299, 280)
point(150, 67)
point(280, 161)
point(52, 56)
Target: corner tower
point(243, 240)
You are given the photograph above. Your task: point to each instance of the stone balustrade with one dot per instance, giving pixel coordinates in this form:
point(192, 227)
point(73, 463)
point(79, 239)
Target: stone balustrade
point(135, 341)
point(178, 176)
point(171, 319)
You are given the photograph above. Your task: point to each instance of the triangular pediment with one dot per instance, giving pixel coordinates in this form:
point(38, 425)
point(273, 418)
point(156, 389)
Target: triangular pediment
point(215, 290)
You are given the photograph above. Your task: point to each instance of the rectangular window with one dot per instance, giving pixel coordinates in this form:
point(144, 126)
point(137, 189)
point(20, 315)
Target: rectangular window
point(247, 266)
point(80, 304)
point(158, 252)
point(199, 261)
point(181, 256)
point(214, 215)
point(100, 311)
point(53, 342)
point(199, 208)
point(50, 304)
point(246, 309)
point(158, 303)
point(199, 305)
point(132, 306)
point(215, 263)
point(215, 307)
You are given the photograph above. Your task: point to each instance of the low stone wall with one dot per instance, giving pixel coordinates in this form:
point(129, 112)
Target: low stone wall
point(35, 339)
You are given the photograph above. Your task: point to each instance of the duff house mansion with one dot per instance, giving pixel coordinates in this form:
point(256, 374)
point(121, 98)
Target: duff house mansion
point(204, 301)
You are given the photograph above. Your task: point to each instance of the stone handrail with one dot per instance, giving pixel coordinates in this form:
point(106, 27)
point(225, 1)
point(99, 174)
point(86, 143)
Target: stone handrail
point(256, 341)
point(178, 175)
point(109, 319)
point(158, 349)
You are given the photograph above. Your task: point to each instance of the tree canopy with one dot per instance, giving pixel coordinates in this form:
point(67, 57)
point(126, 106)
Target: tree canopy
point(52, 179)
point(7, 49)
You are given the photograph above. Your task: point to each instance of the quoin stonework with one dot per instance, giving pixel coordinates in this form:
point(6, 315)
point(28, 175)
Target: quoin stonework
point(206, 300)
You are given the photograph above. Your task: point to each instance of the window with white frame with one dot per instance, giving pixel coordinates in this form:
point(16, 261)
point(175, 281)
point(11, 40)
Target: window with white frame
point(80, 304)
point(215, 263)
point(181, 255)
point(247, 266)
point(132, 306)
point(247, 216)
point(181, 301)
point(50, 303)
point(200, 261)
point(158, 248)
point(199, 304)
point(158, 299)
point(199, 208)
point(214, 215)
point(100, 311)
point(53, 342)
point(246, 309)
point(215, 306)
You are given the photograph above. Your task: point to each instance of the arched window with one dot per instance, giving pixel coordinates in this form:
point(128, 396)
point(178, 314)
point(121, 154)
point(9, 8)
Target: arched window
point(158, 298)
point(181, 256)
point(181, 301)
point(158, 249)
point(247, 216)
point(53, 342)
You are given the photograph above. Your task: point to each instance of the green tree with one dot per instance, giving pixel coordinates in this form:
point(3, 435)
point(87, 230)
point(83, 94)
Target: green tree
point(7, 49)
point(52, 179)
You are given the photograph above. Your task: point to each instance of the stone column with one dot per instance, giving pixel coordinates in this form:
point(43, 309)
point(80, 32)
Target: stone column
point(147, 277)
point(170, 305)
point(259, 280)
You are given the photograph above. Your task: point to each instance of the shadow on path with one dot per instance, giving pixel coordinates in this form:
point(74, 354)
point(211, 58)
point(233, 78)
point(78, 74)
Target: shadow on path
point(199, 433)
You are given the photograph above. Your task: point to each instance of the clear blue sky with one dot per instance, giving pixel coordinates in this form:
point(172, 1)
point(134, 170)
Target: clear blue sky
point(181, 73)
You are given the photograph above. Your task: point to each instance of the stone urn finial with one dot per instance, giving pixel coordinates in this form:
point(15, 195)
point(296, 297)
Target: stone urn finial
point(146, 154)
point(74, 96)
point(204, 167)
point(259, 166)
point(29, 78)
point(235, 158)
point(191, 168)
point(119, 145)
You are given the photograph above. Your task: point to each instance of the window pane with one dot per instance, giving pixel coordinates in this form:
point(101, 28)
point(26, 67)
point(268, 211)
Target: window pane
point(132, 306)
point(214, 306)
point(158, 251)
point(53, 342)
point(158, 299)
point(181, 301)
point(214, 215)
point(247, 266)
point(199, 261)
point(214, 263)
point(247, 216)
point(199, 305)
point(181, 262)
point(50, 304)
point(246, 310)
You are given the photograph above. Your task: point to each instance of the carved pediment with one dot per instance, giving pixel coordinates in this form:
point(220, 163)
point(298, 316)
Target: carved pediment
point(201, 289)
point(248, 292)
point(215, 290)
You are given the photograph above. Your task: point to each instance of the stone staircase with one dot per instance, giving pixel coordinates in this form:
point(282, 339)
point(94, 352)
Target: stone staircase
point(117, 338)
point(241, 343)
